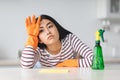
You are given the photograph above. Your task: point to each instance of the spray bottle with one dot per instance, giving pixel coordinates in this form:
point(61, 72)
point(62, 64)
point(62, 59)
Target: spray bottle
point(98, 62)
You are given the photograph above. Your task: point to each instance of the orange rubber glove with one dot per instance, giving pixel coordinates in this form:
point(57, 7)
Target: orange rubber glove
point(32, 27)
point(69, 63)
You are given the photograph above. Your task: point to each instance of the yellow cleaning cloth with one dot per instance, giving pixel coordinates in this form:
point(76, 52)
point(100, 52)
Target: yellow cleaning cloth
point(54, 71)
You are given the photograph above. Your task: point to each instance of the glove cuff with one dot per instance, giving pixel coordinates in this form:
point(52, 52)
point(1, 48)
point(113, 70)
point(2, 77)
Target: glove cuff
point(32, 41)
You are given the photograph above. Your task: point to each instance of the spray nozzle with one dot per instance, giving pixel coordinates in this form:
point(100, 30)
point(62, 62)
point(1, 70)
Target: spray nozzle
point(99, 34)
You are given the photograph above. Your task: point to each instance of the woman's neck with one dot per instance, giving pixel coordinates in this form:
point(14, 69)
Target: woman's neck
point(54, 48)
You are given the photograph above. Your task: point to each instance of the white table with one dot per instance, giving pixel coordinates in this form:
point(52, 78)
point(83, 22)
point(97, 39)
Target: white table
point(17, 73)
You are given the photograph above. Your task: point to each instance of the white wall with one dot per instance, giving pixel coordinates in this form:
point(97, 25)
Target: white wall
point(78, 16)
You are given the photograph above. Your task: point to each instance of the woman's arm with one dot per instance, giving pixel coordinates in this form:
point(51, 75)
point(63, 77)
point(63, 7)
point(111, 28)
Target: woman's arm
point(83, 53)
point(29, 57)
point(29, 54)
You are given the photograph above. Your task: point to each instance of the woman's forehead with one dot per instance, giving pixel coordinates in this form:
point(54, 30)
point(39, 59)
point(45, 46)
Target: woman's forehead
point(45, 22)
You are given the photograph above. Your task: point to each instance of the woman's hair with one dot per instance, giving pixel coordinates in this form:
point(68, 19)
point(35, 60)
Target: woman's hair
point(62, 31)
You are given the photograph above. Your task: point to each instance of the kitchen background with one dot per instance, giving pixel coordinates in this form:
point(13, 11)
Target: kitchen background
point(78, 16)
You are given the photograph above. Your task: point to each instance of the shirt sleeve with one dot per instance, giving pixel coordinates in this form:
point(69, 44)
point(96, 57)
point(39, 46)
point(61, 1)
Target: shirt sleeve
point(29, 57)
point(81, 49)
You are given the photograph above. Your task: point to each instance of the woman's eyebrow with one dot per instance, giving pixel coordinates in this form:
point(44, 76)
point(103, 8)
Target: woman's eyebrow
point(41, 27)
point(48, 23)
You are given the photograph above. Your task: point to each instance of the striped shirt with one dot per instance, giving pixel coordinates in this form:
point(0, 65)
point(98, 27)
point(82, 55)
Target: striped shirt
point(72, 47)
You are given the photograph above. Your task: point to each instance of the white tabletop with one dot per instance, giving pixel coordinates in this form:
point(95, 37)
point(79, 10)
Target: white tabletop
point(17, 73)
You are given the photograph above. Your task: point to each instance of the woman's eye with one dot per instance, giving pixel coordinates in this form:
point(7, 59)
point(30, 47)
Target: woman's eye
point(41, 31)
point(50, 26)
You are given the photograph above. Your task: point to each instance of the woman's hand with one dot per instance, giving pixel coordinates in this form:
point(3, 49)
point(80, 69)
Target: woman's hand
point(32, 25)
point(69, 63)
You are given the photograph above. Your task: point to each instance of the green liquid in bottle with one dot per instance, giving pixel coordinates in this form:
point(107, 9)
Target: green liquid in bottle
point(97, 62)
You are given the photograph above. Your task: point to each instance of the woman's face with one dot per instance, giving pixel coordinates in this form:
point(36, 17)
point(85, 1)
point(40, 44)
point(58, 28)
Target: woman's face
point(48, 33)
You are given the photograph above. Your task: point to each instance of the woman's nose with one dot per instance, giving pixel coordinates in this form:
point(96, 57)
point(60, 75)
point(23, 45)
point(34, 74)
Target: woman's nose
point(48, 31)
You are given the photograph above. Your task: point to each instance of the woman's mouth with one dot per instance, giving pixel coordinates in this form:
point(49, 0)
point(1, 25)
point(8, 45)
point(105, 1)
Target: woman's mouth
point(50, 37)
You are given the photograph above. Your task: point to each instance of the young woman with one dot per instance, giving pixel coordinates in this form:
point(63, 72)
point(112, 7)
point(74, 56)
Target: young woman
point(52, 45)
